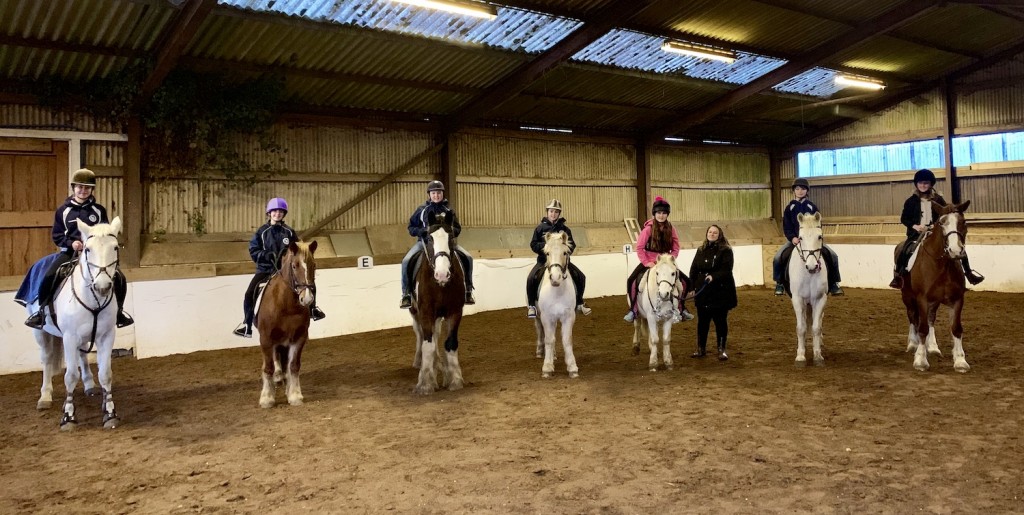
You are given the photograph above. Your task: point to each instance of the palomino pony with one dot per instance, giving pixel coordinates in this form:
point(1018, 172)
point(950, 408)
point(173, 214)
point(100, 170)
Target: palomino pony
point(440, 297)
point(556, 303)
point(937, 278)
point(84, 314)
point(283, 322)
point(656, 292)
point(808, 284)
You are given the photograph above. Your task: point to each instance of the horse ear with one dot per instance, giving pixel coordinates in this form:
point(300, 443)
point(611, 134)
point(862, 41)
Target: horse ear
point(963, 207)
point(565, 237)
point(84, 229)
point(817, 216)
point(293, 248)
point(312, 247)
point(115, 226)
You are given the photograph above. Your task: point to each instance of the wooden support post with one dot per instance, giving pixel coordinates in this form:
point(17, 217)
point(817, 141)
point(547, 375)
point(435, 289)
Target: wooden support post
point(948, 128)
point(643, 180)
point(447, 173)
point(775, 173)
point(388, 179)
point(131, 234)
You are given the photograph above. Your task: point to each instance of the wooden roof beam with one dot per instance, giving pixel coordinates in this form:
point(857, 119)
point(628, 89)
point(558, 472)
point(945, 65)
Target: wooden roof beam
point(81, 48)
point(529, 72)
point(180, 33)
point(881, 24)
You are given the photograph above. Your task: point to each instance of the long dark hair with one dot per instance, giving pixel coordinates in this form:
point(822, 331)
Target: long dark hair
point(722, 241)
point(661, 236)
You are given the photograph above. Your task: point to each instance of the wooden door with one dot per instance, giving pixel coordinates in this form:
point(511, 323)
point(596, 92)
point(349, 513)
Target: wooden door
point(33, 182)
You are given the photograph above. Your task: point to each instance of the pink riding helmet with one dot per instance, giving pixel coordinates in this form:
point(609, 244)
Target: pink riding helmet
point(277, 203)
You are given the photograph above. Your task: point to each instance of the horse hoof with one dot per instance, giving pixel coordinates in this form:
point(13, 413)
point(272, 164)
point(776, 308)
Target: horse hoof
point(654, 369)
point(295, 401)
point(921, 368)
point(963, 367)
point(546, 375)
point(574, 375)
point(424, 390)
point(800, 363)
point(540, 355)
point(42, 405)
point(636, 350)
point(95, 391)
point(935, 352)
point(668, 366)
point(266, 403)
point(819, 362)
point(911, 347)
point(68, 426)
point(456, 385)
point(111, 423)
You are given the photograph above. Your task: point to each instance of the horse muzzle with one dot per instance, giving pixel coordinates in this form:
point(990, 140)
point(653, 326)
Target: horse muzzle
point(442, 278)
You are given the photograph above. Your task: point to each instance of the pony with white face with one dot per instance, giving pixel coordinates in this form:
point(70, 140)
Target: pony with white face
point(655, 304)
point(808, 283)
point(84, 315)
point(556, 303)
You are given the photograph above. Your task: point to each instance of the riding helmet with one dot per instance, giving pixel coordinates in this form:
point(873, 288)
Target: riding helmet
point(802, 183)
point(435, 186)
point(924, 174)
point(277, 203)
point(660, 204)
point(83, 176)
point(554, 204)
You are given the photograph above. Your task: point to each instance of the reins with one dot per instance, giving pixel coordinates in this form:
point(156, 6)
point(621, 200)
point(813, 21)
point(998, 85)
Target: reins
point(102, 304)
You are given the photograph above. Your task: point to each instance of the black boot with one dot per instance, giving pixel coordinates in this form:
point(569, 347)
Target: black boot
point(972, 276)
point(897, 281)
point(702, 349)
point(316, 314)
point(470, 300)
point(37, 320)
point(722, 356)
point(124, 319)
point(406, 301)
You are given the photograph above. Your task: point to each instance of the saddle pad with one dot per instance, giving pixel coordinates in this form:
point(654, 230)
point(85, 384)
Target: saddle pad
point(259, 298)
point(917, 247)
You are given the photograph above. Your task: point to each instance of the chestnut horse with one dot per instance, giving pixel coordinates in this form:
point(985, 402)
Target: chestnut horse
point(283, 322)
point(440, 297)
point(937, 278)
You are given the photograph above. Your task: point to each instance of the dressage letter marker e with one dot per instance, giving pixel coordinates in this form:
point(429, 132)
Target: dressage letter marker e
point(627, 249)
point(364, 262)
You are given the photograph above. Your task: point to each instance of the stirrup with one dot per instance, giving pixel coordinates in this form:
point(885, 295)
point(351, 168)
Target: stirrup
point(470, 300)
point(897, 282)
point(406, 302)
point(531, 312)
point(835, 290)
point(584, 308)
point(974, 277)
point(124, 319)
point(243, 330)
point(37, 320)
point(629, 316)
point(316, 314)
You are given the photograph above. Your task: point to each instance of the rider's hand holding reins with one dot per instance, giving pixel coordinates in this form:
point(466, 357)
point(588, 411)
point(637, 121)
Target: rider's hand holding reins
point(77, 246)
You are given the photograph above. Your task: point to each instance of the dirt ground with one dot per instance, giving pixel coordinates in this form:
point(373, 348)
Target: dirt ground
point(866, 433)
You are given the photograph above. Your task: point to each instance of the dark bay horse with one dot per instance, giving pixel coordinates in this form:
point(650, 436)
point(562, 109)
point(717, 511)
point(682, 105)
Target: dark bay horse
point(283, 322)
point(935, 278)
point(440, 297)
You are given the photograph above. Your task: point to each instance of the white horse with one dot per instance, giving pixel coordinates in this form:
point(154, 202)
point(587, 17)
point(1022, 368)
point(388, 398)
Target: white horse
point(85, 315)
point(808, 283)
point(556, 303)
point(440, 298)
point(656, 293)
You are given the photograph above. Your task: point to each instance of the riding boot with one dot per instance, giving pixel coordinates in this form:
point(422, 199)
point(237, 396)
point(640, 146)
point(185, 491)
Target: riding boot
point(897, 281)
point(702, 349)
point(316, 313)
point(722, 356)
point(972, 276)
point(37, 320)
point(120, 291)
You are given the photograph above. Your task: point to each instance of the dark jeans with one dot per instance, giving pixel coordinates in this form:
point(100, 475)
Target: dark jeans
point(537, 274)
point(704, 318)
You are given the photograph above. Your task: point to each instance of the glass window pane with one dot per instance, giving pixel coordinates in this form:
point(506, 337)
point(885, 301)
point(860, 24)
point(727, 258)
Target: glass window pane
point(927, 154)
point(847, 161)
point(987, 149)
point(897, 157)
point(872, 159)
point(1015, 146)
point(961, 151)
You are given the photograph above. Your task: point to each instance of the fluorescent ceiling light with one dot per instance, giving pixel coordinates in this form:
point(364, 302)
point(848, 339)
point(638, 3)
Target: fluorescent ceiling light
point(476, 9)
point(706, 52)
point(859, 82)
point(544, 129)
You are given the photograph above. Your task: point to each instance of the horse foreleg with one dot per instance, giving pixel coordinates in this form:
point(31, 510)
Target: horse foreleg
point(50, 356)
point(652, 342)
point(427, 381)
point(417, 359)
point(637, 336)
point(957, 329)
point(540, 335)
point(550, 325)
point(71, 377)
point(933, 345)
point(453, 371)
point(817, 314)
point(912, 340)
point(103, 359)
point(666, 340)
point(294, 388)
point(921, 356)
point(269, 365)
point(799, 308)
point(570, 358)
point(88, 382)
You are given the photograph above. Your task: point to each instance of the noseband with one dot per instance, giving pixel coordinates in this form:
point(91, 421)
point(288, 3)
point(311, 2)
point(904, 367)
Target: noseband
point(297, 287)
point(805, 254)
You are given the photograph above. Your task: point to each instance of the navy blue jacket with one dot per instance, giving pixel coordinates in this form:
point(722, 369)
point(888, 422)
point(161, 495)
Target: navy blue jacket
point(69, 215)
point(537, 243)
point(418, 220)
point(790, 226)
point(268, 245)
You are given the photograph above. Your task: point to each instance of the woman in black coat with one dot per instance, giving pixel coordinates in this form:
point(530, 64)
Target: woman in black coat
point(715, 288)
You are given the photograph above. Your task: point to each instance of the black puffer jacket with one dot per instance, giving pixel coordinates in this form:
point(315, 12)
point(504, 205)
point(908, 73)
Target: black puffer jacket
point(716, 261)
point(269, 244)
point(69, 215)
point(537, 243)
point(418, 220)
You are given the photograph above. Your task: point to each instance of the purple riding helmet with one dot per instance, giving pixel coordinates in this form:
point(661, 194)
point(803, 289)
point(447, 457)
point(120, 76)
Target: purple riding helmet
point(277, 203)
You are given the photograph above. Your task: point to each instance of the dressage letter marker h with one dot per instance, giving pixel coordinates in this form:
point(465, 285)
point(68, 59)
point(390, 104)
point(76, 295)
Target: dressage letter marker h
point(364, 262)
point(627, 249)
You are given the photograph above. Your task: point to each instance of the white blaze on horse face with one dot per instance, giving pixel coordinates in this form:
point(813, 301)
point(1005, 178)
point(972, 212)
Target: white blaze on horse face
point(557, 251)
point(810, 241)
point(949, 223)
point(442, 263)
point(100, 254)
point(306, 297)
point(665, 273)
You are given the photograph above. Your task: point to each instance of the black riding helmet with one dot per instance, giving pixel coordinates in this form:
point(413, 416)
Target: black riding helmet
point(435, 186)
point(802, 183)
point(924, 174)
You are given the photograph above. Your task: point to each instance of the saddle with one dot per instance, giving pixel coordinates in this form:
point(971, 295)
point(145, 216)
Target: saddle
point(907, 254)
point(258, 297)
point(784, 259)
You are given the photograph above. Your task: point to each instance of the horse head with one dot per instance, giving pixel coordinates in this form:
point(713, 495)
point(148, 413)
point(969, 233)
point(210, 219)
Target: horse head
point(439, 245)
point(810, 241)
point(299, 269)
point(954, 228)
point(100, 254)
point(556, 248)
point(665, 273)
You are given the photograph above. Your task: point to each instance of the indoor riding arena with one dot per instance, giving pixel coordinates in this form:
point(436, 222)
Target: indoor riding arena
point(488, 142)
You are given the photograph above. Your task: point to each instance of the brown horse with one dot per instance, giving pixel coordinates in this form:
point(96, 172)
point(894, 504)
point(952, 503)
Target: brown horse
point(937, 278)
point(440, 297)
point(283, 321)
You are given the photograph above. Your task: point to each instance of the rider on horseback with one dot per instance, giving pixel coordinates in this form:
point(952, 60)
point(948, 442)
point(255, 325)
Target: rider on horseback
point(266, 249)
point(801, 204)
point(435, 205)
point(657, 237)
point(917, 216)
point(553, 222)
point(79, 208)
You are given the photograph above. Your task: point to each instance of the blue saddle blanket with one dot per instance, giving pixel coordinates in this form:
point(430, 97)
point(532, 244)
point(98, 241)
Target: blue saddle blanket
point(29, 290)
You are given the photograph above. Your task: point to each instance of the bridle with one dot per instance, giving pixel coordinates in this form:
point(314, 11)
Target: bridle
point(805, 254)
point(564, 269)
point(961, 237)
point(296, 286)
point(91, 278)
point(428, 247)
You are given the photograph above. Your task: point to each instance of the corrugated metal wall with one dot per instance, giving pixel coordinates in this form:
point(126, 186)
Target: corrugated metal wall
point(989, 107)
point(16, 116)
point(678, 173)
point(995, 193)
point(919, 114)
point(537, 159)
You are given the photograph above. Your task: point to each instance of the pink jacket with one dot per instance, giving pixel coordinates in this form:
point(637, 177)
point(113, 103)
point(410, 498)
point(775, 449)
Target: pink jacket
point(647, 258)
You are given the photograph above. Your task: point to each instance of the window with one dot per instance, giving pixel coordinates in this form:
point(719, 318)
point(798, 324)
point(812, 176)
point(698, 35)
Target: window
point(912, 155)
